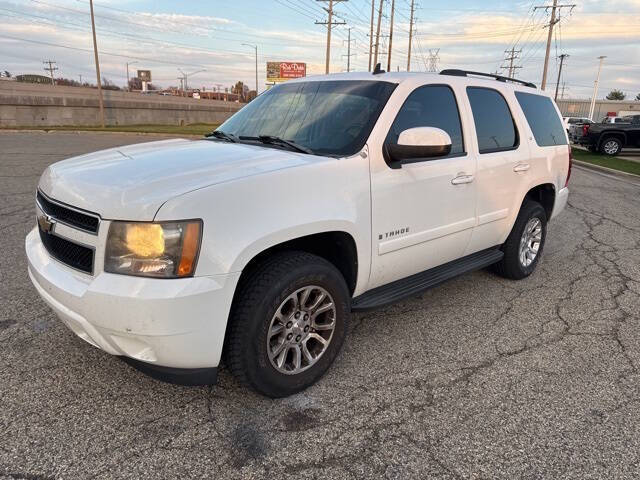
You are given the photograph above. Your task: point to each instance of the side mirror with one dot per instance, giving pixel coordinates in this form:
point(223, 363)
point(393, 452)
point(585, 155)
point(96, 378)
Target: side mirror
point(419, 142)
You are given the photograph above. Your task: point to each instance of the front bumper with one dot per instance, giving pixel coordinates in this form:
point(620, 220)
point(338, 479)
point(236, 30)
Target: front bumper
point(164, 323)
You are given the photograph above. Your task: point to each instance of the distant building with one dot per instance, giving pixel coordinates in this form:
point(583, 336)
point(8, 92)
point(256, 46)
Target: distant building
point(33, 78)
point(580, 108)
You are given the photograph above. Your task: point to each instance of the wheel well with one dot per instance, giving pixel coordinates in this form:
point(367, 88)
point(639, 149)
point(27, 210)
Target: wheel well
point(618, 135)
point(545, 195)
point(338, 248)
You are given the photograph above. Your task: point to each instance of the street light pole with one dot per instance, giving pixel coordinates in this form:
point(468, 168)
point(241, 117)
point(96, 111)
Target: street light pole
point(186, 78)
point(256, 49)
point(595, 89)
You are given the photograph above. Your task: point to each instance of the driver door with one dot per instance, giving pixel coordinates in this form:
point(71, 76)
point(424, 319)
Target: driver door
point(423, 212)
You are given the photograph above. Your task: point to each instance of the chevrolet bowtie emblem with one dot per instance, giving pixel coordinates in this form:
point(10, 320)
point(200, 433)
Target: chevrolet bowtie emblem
point(46, 223)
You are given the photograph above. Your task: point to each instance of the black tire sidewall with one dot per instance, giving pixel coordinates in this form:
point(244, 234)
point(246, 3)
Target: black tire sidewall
point(260, 373)
point(512, 250)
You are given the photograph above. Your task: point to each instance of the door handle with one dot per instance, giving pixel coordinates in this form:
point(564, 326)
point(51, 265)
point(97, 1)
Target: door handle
point(461, 178)
point(521, 167)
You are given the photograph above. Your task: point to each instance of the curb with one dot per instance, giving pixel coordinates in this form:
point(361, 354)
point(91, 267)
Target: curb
point(591, 166)
point(85, 132)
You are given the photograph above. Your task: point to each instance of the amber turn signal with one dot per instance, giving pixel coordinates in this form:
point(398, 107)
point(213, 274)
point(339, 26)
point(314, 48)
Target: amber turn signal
point(190, 245)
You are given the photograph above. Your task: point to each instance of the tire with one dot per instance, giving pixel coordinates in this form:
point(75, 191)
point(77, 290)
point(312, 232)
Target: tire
point(610, 146)
point(511, 266)
point(278, 285)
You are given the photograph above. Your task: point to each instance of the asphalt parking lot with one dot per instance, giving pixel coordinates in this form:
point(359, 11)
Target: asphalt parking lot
point(479, 378)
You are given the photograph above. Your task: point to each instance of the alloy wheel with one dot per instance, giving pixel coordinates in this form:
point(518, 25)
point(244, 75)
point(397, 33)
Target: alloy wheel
point(301, 330)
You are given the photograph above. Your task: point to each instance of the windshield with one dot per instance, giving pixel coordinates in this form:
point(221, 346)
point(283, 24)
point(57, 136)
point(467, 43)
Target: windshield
point(331, 118)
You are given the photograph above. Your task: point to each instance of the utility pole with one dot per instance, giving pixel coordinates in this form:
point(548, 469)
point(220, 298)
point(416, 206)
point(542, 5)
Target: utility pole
point(562, 57)
point(80, 79)
point(410, 35)
point(595, 88)
point(129, 63)
point(371, 32)
point(51, 68)
point(393, 7)
point(562, 94)
point(375, 52)
point(553, 21)
point(329, 23)
point(256, 48)
point(433, 60)
point(513, 54)
point(95, 54)
point(349, 54)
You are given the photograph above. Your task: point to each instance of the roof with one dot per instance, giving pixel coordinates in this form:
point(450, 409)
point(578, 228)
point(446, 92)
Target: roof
point(422, 77)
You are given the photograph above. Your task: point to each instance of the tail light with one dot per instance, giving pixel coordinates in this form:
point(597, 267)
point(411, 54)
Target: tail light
point(566, 183)
point(585, 129)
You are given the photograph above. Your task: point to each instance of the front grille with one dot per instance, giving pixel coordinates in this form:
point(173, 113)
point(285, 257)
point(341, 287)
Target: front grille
point(69, 216)
point(69, 253)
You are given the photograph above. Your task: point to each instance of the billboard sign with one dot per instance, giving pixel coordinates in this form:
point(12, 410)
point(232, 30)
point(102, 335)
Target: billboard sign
point(144, 75)
point(283, 71)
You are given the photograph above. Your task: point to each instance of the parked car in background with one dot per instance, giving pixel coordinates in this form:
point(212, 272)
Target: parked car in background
point(569, 121)
point(576, 129)
point(610, 138)
point(324, 195)
point(610, 119)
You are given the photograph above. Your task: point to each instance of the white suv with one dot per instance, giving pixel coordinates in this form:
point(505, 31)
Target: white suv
point(323, 196)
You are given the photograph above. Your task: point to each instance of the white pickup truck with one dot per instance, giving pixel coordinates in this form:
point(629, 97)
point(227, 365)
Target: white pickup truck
point(325, 195)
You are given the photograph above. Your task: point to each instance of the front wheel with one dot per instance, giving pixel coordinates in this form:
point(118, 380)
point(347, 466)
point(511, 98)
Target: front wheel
point(524, 245)
point(288, 323)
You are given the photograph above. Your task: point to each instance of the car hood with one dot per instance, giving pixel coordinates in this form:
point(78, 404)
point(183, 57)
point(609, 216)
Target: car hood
point(132, 182)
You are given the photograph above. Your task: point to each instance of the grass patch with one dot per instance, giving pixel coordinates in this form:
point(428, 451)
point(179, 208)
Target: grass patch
point(614, 163)
point(193, 129)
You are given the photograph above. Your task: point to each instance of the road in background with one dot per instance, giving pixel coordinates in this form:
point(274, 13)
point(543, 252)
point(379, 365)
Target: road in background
point(479, 378)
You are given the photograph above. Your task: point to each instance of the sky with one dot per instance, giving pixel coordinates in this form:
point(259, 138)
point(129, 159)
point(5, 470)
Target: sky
point(164, 36)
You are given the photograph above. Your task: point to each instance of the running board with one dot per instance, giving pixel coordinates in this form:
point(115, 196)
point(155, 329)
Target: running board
point(406, 287)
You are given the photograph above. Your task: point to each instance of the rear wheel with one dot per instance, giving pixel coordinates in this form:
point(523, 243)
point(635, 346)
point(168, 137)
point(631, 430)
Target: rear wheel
point(523, 247)
point(288, 323)
point(611, 146)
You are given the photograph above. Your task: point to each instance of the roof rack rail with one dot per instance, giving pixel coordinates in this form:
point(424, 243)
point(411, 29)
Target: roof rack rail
point(500, 78)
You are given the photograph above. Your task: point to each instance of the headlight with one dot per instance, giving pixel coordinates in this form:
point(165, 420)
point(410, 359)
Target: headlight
point(164, 249)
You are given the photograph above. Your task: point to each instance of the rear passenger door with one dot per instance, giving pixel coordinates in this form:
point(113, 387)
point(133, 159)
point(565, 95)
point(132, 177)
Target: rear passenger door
point(503, 165)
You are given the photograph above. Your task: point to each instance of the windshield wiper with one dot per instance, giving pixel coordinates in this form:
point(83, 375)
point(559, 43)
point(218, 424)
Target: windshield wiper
point(272, 140)
point(229, 137)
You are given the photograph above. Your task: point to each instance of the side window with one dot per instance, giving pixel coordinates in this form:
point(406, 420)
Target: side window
point(495, 128)
point(542, 118)
point(430, 106)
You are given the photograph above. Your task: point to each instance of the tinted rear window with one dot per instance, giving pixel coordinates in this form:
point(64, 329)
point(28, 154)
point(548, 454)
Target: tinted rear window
point(543, 119)
point(494, 124)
